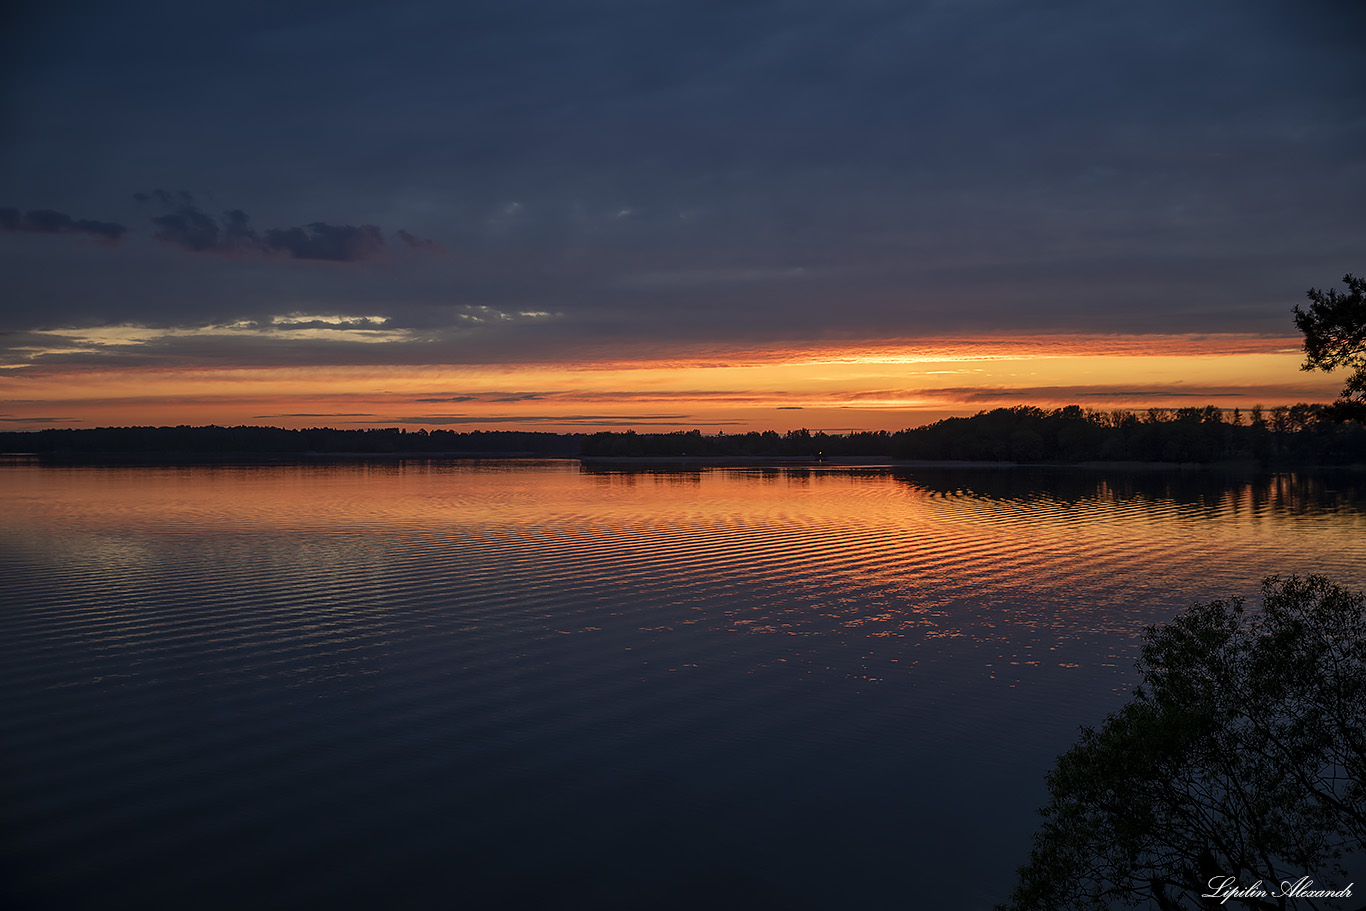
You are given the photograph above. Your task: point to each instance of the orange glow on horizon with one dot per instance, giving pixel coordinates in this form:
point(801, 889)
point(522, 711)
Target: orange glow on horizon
point(837, 387)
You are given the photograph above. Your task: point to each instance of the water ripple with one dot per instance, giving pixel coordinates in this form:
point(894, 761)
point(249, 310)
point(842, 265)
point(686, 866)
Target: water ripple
point(292, 686)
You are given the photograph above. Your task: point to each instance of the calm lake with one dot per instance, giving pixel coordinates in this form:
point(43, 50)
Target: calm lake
point(541, 685)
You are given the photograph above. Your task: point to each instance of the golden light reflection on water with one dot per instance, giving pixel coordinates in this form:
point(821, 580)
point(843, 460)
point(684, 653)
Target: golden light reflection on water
point(503, 644)
point(879, 553)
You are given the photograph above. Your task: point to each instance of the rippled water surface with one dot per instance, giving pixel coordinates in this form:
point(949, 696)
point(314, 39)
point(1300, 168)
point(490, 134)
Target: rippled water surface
point(508, 685)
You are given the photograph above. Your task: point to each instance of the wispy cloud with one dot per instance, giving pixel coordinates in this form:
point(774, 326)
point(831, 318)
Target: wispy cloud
point(49, 221)
point(184, 224)
point(567, 420)
point(1120, 393)
point(310, 414)
point(192, 229)
point(419, 243)
point(116, 343)
point(11, 419)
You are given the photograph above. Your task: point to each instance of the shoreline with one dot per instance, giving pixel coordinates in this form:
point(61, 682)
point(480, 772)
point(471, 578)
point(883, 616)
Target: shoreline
point(263, 458)
point(889, 462)
point(185, 458)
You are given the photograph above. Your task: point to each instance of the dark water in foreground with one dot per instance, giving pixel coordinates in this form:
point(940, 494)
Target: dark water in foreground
point(530, 685)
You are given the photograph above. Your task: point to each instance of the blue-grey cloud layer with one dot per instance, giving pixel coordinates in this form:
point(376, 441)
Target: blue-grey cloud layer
point(48, 221)
point(687, 170)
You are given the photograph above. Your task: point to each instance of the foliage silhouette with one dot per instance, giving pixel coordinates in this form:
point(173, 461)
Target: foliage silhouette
point(1334, 330)
point(1299, 433)
point(1242, 755)
point(213, 442)
point(1287, 434)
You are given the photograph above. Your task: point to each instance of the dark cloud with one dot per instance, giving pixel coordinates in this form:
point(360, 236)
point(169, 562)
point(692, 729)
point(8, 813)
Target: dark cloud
point(48, 221)
point(190, 228)
point(419, 243)
point(237, 233)
point(695, 172)
point(335, 243)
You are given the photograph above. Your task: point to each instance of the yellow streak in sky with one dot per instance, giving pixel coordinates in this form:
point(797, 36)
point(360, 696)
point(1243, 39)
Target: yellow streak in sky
point(879, 385)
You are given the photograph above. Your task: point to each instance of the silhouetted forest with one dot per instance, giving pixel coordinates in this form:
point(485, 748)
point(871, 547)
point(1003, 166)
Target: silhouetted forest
point(235, 442)
point(769, 444)
point(1285, 434)
point(1289, 434)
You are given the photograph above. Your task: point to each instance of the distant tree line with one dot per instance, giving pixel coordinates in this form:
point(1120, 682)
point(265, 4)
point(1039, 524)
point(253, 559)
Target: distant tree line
point(227, 442)
point(768, 444)
point(1287, 434)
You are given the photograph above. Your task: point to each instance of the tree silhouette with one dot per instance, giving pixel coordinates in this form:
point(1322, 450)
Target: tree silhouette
point(1334, 330)
point(1241, 758)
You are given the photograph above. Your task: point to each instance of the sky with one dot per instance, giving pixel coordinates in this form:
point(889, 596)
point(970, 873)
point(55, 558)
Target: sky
point(577, 215)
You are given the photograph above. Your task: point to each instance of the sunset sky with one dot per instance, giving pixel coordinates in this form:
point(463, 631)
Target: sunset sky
point(600, 214)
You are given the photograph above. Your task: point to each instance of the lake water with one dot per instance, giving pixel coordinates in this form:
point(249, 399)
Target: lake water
point(540, 685)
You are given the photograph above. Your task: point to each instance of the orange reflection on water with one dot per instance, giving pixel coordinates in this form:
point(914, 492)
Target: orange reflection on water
point(1022, 568)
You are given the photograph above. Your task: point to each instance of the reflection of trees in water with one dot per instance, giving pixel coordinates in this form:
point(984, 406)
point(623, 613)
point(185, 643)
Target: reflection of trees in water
point(681, 473)
point(1288, 493)
point(630, 476)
